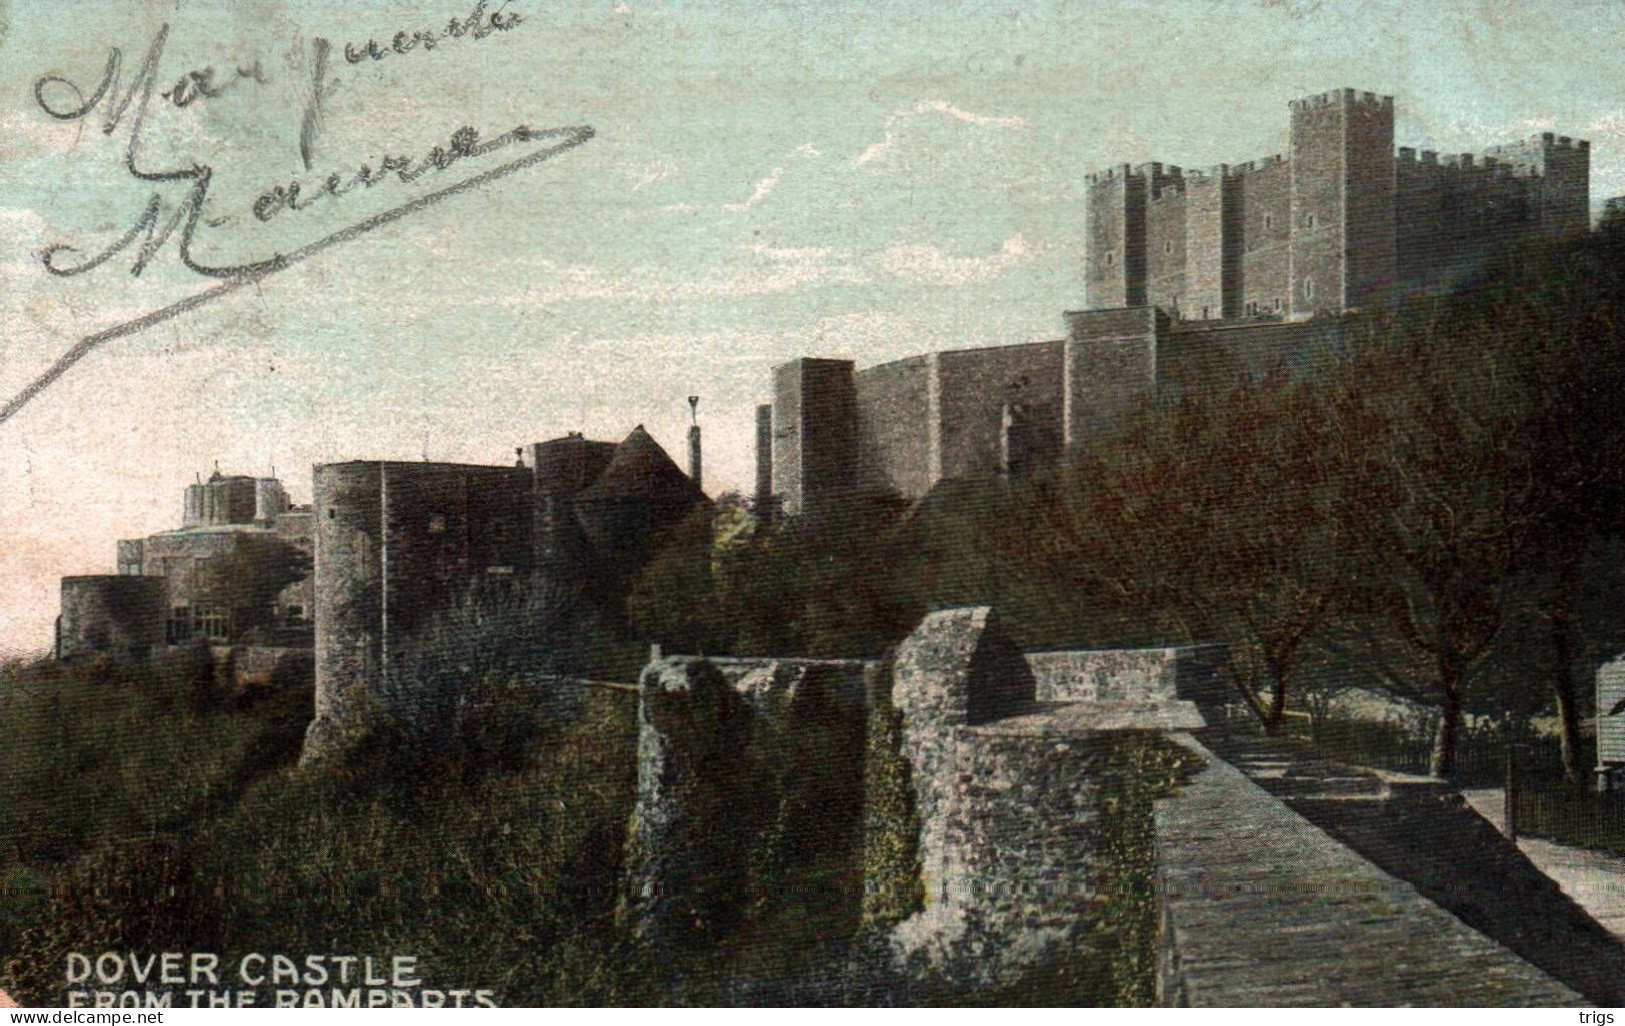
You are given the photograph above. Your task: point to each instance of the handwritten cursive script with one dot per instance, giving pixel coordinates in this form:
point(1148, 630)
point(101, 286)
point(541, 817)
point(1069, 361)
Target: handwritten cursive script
point(160, 220)
point(152, 230)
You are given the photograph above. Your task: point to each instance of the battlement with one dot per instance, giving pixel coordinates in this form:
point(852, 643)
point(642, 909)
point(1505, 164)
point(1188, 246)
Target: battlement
point(1560, 142)
point(1540, 142)
point(1115, 173)
point(1261, 164)
point(1155, 172)
point(1345, 95)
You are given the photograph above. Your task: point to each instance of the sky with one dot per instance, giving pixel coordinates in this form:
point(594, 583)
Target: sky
point(762, 181)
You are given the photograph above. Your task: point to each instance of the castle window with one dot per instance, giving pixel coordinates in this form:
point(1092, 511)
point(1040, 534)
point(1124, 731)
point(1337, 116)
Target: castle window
point(1277, 304)
point(1109, 258)
point(1311, 220)
point(211, 622)
point(437, 523)
point(1204, 313)
point(1309, 288)
point(1167, 246)
point(1269, 220)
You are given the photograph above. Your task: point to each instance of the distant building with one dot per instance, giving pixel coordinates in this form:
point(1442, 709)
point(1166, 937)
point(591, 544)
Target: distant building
point(1242, 266)
point(395, 571)
point(416, 562)
point(239, 564)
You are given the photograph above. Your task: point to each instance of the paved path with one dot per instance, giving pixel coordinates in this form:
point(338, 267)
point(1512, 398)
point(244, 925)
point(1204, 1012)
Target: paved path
point(1264, 909)
point(1595, 880)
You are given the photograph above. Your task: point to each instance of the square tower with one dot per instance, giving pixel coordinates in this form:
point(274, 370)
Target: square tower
point(815, 434)
point(1342, 205)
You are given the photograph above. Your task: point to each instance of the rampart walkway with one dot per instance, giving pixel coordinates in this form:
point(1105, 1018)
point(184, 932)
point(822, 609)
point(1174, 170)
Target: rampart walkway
point(1594, 879)
point(1261, 908)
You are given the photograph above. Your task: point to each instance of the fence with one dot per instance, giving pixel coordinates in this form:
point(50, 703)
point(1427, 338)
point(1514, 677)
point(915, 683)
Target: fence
point(1543, 804)
point(1408, 747)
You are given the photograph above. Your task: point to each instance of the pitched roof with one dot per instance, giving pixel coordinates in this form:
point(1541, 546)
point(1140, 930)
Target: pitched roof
point(641, 468)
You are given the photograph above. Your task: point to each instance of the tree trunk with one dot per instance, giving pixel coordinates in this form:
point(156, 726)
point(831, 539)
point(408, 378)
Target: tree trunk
point(1569, 725)
point(1277, 709)
point(1443, 763)
point(1249, 694)
point(1565, 648)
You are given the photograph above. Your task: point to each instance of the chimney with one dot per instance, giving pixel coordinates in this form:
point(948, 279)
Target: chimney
point(764, 455)
point(694, 440)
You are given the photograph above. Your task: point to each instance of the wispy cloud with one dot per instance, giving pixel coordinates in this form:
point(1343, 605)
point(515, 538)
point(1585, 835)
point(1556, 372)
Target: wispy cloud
point(658, 170)
point(941, 108)
point(947, 109)
point(763, 187)
point(930, 265)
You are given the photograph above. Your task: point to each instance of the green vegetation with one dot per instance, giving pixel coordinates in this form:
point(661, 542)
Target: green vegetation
point(892, 889)
point(1139, 768)
point(149, 808)
point(493, 850)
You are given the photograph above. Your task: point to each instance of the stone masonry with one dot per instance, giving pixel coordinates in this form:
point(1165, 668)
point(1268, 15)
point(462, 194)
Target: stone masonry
point(1006, 786)
point(1245, 267)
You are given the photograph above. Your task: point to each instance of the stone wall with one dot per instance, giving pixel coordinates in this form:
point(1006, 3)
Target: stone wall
point(408, 556)
point(1368, 227)
point(769, 684)
point(899, 447)
point(684, 871)
point(1125, 675)
point(1166, 232)
point(976, 386)
point(752, 771)
point(750, 789)
point(1302, 920)
point(348, 501)
point(1006, 785)
point(1116, 198)
point(254, 666)
point(1193, 352)
point(1212, 245)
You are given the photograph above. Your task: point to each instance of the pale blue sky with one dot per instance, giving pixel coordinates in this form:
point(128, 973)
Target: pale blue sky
point(767, 180)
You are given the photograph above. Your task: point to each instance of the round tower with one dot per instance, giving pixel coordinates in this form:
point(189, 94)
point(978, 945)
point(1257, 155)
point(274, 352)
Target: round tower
point(270, 499)
point(348, 578)
point(192, 511)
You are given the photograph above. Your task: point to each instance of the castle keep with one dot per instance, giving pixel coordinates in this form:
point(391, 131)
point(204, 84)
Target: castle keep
point(1186, 273)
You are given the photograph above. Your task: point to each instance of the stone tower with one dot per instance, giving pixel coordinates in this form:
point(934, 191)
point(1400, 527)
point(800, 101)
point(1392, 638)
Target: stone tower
point(1342, 206)
point(815, 441)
